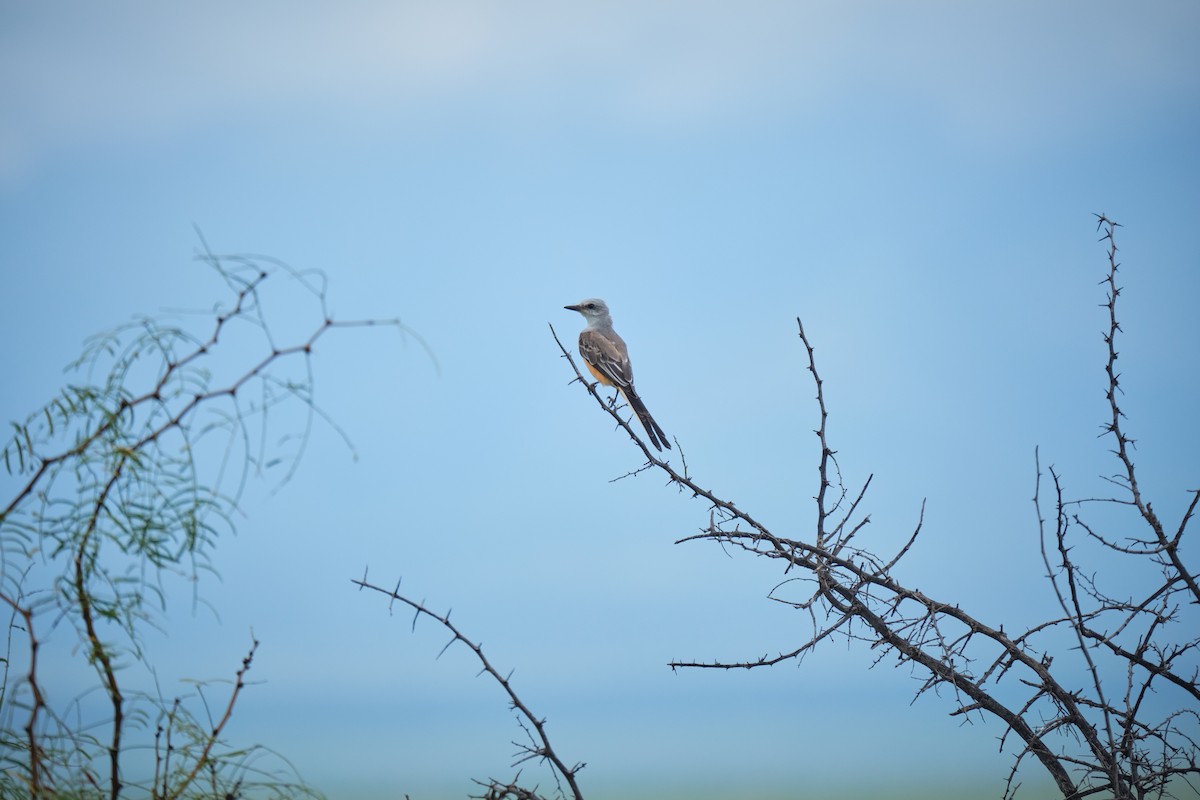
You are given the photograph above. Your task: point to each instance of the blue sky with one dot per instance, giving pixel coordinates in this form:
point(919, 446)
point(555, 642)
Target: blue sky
point(914, 180)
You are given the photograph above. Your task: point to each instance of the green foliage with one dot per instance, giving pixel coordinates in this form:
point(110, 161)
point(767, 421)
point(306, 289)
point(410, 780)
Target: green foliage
point(126, 480)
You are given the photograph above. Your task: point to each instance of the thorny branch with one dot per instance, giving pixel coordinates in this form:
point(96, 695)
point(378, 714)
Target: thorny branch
point(539, 747)
point(1088, 740)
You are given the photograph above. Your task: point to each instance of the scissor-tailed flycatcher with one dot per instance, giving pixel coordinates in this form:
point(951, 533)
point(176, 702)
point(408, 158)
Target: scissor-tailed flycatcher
point(607, 358)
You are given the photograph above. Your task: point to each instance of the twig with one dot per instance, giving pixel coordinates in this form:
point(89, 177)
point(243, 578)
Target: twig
point(203, 759)
point(543, 749)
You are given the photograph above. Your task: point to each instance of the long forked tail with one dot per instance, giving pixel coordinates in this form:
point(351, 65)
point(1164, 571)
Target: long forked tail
point(658, 437)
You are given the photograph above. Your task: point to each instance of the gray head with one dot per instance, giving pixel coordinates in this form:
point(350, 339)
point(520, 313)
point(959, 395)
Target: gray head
point(594, 310)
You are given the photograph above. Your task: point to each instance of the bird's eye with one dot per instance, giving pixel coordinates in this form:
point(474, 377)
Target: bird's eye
point(591, 305)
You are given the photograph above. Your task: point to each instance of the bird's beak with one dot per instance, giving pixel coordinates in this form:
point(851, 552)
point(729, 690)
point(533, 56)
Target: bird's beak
point(571, 308)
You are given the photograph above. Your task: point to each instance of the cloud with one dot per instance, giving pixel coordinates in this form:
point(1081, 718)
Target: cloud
point(74, 73)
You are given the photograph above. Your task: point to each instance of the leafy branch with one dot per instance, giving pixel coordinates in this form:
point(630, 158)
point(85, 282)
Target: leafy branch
point(123, 482)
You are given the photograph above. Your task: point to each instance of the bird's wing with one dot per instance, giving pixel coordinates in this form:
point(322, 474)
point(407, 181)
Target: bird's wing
point(607, 357)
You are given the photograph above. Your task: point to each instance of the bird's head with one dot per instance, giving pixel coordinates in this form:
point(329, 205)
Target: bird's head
point(593, 310)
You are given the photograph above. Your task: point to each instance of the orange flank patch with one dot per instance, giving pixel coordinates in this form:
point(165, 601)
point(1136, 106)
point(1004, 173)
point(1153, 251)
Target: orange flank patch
point(597, 374)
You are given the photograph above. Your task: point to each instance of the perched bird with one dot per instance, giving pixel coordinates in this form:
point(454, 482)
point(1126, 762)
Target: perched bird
point(607, 358)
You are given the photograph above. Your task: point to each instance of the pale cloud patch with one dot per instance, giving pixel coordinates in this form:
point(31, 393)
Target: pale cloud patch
point(72, 73)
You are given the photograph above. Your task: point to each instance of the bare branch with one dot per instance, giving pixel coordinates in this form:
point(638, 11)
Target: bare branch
point(1092, 737)
point(541, 748)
